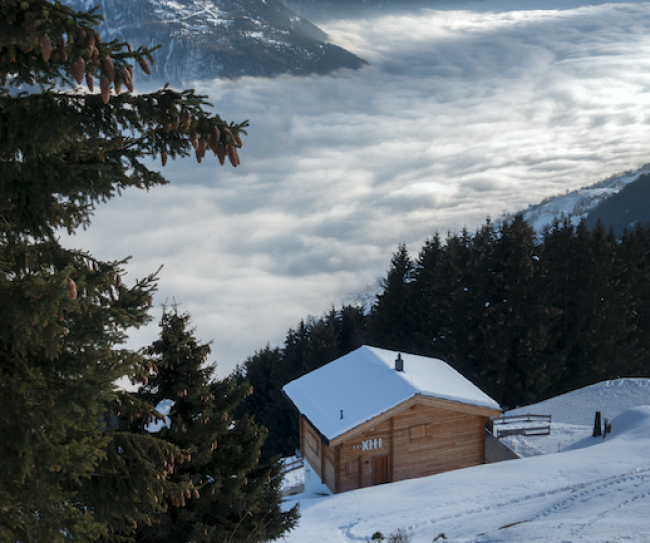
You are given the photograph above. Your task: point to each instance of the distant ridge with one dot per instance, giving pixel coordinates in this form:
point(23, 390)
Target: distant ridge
point(582, 203)
point(626, 208)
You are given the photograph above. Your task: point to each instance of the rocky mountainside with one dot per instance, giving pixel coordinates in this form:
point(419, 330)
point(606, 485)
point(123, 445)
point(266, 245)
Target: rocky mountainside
point(205, 39)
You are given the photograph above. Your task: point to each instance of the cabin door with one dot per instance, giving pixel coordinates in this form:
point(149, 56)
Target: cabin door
point(379, 470)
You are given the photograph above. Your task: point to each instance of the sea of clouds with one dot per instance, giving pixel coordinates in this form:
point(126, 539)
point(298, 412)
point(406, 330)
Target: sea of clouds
point(462, 113)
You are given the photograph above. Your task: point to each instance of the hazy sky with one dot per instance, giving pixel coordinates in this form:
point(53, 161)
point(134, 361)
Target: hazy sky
point(460, 114)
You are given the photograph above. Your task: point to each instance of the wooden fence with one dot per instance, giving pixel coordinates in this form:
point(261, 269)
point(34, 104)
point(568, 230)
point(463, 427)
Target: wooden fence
point(527, 425)
point(296, 463)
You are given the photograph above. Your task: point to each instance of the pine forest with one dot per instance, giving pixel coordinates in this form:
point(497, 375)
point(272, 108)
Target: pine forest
point(523, 318)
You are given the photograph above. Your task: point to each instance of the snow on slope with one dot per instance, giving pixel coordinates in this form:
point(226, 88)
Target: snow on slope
point(596, 492)
point(577, 204)
point(574, 413)
point(611, 398)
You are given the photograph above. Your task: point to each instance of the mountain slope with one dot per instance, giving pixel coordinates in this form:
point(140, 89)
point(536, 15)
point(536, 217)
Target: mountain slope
point(205, 39)
point(578, 204)
point(624, 209)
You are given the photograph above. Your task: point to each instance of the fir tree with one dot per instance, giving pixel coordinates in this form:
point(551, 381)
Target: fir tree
point(230, 497)
point(70, 468)
point(428, 299)
point(390, 323)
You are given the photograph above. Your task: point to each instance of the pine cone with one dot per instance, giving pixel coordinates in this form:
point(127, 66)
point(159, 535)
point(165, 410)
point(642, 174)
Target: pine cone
point(81, 34)
point(187, 121)
point(90, 82)
point(163, 156)
point(72, 289)
point(117, 86)
point(60, 50)
point(77, 69)
point(222, 153)
point(213, 144)
point(194, 140)
point(127, 75)
point(46, 47)
point(203, 145)
point(105, 86)
point(109, 68)
point(196, 494)
point(233, 156)
point(216, 136)
point(144, 65)
point(94, 57)
point(89, 42)
point(237, 139)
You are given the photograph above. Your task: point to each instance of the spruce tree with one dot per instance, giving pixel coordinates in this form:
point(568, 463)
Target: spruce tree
point(70, 467)
point(229, 496)
point(428, 299)
point(390, 324)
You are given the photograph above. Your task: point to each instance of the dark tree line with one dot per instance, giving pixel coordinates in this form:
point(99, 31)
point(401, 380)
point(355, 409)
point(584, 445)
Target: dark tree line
point(524, 318)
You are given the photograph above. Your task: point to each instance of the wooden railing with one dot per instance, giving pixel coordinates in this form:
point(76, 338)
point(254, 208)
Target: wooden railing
point(294, 464)
point(531, 425)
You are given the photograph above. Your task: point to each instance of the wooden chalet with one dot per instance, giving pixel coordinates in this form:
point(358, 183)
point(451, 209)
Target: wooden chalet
point(375, 416)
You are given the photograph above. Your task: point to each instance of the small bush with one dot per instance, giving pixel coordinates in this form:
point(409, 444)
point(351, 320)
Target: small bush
point(400, 536)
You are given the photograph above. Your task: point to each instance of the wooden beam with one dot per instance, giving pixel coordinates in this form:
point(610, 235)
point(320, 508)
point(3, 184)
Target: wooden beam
point(457, 406)
point(411, 402)
point(391, 450)
point(337, 469)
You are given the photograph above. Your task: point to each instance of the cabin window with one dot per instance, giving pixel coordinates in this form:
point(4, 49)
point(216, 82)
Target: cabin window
point(352, 467)
point(419, 431)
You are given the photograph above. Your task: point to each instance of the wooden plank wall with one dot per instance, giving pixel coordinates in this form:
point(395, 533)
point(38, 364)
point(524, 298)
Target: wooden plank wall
point(310, 445)
point(328, 467)
point(420, 441)
point(455, 441)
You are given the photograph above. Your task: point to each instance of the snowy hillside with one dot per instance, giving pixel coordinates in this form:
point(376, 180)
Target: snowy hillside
point(595, 490)
point(577, 204)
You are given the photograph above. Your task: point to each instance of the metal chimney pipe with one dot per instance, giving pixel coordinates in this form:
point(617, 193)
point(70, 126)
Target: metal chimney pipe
point(399, 363)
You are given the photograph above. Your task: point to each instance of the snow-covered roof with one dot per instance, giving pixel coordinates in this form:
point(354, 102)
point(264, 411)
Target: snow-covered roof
point(364, 384)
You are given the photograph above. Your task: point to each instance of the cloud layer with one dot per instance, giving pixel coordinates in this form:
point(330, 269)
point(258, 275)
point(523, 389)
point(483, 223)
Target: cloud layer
point(461, 114)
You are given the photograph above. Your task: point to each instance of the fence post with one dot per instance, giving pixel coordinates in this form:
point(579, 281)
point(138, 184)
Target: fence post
point(598, 428)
